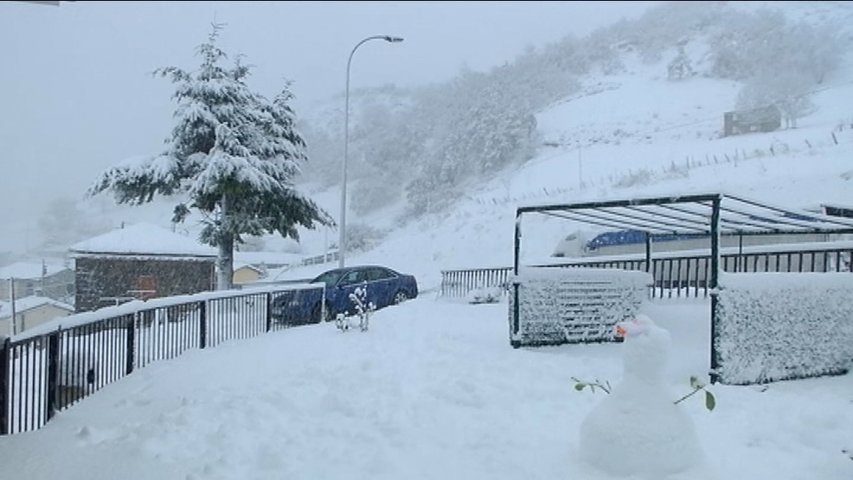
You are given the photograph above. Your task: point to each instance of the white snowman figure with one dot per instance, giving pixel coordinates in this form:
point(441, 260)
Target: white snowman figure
point(637, 430)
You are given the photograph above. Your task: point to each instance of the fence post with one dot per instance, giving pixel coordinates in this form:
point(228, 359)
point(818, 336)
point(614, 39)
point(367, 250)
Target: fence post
point(202, 331)
point(4, 385)
point(269, 311)
point(130, 351)
point(52, 372)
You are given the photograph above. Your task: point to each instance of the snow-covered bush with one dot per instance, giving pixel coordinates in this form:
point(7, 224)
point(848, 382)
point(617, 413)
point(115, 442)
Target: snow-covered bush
point(680, 67)
point(486, 295)
point(363, 310)
point(775, 326)
point(573, 305)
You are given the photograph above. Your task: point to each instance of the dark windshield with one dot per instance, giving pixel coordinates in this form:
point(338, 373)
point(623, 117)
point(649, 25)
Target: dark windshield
point(329, 278)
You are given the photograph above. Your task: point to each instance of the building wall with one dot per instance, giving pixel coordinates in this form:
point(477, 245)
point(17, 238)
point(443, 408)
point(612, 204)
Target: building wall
point(32, 318)
point(245, 275)
point(105, 281)
point(58, 286)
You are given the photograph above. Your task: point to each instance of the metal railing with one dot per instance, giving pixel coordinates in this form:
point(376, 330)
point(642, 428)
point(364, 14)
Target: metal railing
point(45, 372)
point(676, 274)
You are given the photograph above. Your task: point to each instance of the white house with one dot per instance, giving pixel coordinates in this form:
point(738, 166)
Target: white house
point(30, 312)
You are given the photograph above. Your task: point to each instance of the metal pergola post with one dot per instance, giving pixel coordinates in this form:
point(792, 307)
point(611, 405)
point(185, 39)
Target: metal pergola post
point(715, 278)
point(517, 252)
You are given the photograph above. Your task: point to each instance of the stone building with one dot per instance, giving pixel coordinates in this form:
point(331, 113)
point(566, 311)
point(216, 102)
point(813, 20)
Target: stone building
point(140, 261)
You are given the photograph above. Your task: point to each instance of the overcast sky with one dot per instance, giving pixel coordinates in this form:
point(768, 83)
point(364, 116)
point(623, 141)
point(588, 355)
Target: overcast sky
point(76, 94)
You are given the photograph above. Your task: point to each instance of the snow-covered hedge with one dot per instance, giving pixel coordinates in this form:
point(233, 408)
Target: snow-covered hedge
point(776, 326)
point(573, 305)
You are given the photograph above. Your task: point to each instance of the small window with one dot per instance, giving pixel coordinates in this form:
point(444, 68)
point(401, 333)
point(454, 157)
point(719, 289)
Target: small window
point(380, 274)
point(352, 277)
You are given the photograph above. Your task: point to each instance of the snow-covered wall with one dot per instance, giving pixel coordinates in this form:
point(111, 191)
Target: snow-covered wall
point(573, 305)
point(776, 326)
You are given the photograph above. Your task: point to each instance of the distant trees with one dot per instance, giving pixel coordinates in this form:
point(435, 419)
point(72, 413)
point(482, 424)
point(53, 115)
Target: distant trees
point(232, 155)
point(788, 91)
point(766, 43)
point(680, 67)
point(780, 63)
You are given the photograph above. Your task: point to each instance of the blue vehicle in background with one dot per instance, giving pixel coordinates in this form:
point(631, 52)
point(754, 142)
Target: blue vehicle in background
point(383, 286)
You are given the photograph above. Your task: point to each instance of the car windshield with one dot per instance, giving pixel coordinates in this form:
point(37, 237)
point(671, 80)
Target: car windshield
point(329, 278)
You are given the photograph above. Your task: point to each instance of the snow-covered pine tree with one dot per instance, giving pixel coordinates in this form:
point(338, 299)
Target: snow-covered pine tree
point(232, 156)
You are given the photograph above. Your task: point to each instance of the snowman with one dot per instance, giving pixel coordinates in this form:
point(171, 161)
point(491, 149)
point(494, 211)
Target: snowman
point(637, 430)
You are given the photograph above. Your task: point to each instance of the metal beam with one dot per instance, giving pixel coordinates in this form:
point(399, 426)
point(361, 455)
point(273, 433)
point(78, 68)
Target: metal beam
point(665, 224)
point(622, 203)
point(618, 224)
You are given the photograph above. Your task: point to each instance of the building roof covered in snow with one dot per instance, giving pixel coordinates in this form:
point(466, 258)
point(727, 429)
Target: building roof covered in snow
point(29, 303)
point(142, 239)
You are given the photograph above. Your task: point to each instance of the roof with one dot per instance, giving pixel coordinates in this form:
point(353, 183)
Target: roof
point(29, 303)
point(267, 258)
point(692, 214)
point(238, 266)
point(142, 239)
point(30, 270)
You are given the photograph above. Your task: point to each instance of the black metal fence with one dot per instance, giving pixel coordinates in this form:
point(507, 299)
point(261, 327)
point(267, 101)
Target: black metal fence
point(687, 275)
point(44, 373)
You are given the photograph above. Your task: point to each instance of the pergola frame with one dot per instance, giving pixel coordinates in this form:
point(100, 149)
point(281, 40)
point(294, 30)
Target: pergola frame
point(701, 215)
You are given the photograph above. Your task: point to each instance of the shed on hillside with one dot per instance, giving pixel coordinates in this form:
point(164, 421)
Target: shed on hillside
point(763, 119)
point(140, 261)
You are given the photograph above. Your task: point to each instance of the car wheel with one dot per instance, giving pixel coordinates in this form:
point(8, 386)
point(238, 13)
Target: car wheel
point(400, 297)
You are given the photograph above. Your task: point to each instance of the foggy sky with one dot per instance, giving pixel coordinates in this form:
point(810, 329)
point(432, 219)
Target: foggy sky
point(77, 95)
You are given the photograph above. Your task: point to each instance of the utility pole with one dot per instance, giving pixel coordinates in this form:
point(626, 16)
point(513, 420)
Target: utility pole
point(580, 168)
point(12, 325)
point(43, 275)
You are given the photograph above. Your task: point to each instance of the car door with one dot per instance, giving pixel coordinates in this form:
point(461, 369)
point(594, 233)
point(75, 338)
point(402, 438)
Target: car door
point(382, 286)
point(346, 285)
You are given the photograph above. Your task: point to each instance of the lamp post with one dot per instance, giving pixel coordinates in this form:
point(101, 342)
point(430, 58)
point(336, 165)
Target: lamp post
point(343, 228)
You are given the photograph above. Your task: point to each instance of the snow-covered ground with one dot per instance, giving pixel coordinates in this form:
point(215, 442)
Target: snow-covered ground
point(432, 390)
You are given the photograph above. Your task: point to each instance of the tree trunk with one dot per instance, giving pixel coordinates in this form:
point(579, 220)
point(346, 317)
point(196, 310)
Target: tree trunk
point(225, 256)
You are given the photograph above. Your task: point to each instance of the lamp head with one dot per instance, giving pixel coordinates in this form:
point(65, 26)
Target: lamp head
point(393, 39)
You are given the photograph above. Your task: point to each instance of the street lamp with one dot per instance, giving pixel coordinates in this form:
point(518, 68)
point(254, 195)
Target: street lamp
point(343, 229)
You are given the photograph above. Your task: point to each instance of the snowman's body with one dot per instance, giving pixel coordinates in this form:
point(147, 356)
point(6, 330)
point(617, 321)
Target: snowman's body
point(637, 429)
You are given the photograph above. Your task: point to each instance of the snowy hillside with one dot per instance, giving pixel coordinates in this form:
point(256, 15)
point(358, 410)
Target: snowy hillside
point(632, 134)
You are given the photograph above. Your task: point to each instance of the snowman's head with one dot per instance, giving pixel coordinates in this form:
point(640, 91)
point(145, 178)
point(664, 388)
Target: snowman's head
point(646, 348)
point(640, 325)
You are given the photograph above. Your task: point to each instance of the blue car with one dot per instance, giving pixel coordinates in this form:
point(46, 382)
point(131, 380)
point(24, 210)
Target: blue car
point(383, 285)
